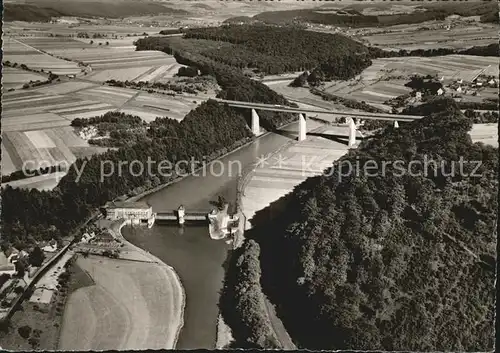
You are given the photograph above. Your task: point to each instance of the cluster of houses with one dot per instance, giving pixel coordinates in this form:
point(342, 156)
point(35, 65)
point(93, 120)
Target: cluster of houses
point(11, 256)
point(473, 87)
point(8, 260)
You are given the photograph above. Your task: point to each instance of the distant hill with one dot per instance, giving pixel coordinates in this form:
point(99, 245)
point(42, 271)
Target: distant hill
point(29, 13)
point(43, 10)
point(351, 15)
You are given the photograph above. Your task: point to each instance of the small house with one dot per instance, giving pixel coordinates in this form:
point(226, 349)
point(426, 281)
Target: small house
point(441, 91)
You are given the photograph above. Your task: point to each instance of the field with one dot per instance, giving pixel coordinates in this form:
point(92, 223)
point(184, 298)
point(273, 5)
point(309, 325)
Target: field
point(42, 182)
point(15, 78)
point(35, 127)
point(36, 122)
point(385, 79)
point(149, 106)
point(485, 133)
point(66, 28)
point(18, 52)
point(411, 37)
point(107, 58)
point(301, 95)
point(129, 307)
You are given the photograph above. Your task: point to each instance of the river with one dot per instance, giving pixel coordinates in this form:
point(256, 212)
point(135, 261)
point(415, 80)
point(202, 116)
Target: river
point(197, 258)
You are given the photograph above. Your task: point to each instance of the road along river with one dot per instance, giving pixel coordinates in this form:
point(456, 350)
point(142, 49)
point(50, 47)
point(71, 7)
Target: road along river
point(197, 259)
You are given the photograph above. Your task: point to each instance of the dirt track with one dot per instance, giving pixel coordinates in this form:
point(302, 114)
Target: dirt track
point(134, 305)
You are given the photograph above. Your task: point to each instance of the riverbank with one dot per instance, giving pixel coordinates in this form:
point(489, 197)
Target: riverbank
point(158, 188)
point(268, 181)
point(166, 244)
point(178, 321)
point(137, 302)
point(142, 195)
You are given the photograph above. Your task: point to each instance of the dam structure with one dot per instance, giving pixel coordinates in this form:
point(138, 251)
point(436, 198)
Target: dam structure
point(182, 217)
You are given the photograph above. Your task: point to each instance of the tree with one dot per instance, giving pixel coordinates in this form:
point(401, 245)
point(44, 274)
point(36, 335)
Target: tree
point(20, 268)
point(36, 257)
point(220, 203)
point(301, 80)
point(24, 331)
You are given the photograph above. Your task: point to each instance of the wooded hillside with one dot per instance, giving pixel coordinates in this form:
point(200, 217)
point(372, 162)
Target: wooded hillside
point(387, 261)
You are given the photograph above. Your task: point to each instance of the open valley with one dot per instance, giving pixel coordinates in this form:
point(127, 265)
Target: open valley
point(248, 175)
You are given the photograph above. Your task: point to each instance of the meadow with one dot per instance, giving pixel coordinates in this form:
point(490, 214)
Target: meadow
point(129, 307)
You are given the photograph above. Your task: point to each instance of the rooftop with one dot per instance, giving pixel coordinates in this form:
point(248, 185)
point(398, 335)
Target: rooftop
point(121, 204)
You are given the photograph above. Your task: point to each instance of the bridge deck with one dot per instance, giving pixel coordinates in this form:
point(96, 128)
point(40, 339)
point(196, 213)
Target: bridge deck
point(364, 115)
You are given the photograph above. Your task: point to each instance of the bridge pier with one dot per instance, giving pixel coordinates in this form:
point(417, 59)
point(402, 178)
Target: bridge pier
point(396, 125)
point(302, 127)
point(352, 132)
point(255, 123)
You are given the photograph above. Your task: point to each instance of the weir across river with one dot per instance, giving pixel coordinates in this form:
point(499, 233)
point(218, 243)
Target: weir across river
point(198, 216)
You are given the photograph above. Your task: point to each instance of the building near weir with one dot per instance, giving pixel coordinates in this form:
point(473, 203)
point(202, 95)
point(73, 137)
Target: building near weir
point(132, 212)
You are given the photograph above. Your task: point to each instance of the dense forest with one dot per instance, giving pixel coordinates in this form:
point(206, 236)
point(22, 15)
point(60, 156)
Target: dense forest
point(486, 104)
point(483, 50)
point(207, 131)
point(114, 129)
point(191, 85)
point(383, 261)
point(276, 50)
point(235, 85)
point(24, 174)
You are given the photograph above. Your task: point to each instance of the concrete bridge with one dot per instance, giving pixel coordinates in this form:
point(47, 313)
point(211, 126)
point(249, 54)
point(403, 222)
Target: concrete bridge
point(255, 125)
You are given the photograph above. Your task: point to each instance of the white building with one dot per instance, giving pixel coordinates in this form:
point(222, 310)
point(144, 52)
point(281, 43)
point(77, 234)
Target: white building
point(133, 212)
point(6, 267)
point(441, 91)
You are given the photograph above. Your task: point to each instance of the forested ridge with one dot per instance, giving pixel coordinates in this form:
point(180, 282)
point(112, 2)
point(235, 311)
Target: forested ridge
point(235, 85)
point(384, 262)
point(230, 50)
point(208, 131)
point(276, 50)
point(352, 17)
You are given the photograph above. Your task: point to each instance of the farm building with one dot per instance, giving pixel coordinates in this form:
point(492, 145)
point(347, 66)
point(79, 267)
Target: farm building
point(134, 212)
